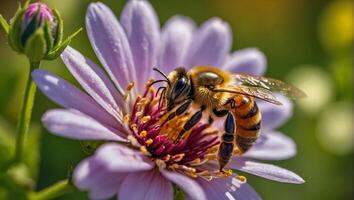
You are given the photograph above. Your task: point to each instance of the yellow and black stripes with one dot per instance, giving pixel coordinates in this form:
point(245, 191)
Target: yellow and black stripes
point(248, 119)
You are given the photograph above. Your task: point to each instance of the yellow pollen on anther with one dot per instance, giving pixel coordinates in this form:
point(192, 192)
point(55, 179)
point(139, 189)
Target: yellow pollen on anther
point(151, 90)
point(242, 178)
point(133, 141)
point(142, 102)
point(178, 157)
point(145, 119)
point(144, 150)
point(133, 126)
point(127, 118)
point(143, 134)
point(127, 92)
point(190, 171)
point(149, 141)
point(148, 84)
point(166, 158)
point(139, 113)
point(227, 172)
point(174, 166)
point(130, 86)
point(197, 162)
point(160, 163)
point(193, 175)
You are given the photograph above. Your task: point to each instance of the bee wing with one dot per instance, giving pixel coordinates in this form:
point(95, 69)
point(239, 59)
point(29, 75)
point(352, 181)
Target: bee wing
point(269, 84)
point(257, 92)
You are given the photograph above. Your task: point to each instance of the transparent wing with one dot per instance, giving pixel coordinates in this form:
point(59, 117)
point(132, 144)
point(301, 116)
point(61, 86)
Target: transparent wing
point(257, 92)
point(269, 84)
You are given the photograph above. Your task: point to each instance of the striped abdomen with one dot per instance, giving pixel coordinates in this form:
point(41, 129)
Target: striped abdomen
point(248, 120)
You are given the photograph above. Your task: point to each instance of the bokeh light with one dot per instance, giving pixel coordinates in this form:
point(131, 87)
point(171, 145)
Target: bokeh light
point(335, 128)
point(317, 85)
point(336, 25)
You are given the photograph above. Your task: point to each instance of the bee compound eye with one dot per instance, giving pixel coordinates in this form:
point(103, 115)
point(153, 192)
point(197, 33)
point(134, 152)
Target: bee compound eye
point(180, 85)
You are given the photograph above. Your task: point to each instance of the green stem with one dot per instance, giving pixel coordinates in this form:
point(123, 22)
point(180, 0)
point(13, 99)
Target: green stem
point(56, 190)
point(26, 112)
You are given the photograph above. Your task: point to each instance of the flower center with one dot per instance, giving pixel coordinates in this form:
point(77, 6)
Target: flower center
point(161, 139)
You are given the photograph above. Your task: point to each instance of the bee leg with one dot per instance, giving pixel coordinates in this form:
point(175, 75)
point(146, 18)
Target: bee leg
point(227, 141)
point(191, 122)
point(180, 110)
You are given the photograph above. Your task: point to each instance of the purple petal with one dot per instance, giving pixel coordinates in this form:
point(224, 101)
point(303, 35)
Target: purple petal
point(92, 176)
point(229, 188)
point(273, 116)
point(188, 185)
point(75, 125)
point(267, 171)
point(246, 192)
point(211, 43)
point(176, 39)
point(94, 81)
point(147, 185)
point(246, 61)
point(272, 146)
point(110, 44)
point(141, 26)
point(69, 96)
point(119, 158)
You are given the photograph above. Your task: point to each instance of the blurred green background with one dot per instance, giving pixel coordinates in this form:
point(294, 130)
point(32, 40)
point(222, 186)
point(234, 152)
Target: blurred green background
point(308, 43)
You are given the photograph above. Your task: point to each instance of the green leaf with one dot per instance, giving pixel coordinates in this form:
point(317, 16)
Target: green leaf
point(15, 31)
point(59, 34)
point(36, 46)
point(4, 24)
point(61, 47)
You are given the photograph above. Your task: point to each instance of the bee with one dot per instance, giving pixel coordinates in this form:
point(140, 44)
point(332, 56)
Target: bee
point(222, 94)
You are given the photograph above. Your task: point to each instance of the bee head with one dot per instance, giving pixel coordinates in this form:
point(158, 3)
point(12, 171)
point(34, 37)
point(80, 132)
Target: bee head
point(180, 88)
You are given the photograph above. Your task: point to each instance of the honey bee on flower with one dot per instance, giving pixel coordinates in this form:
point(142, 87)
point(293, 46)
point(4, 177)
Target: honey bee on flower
point(143, 153)
point(222, 94)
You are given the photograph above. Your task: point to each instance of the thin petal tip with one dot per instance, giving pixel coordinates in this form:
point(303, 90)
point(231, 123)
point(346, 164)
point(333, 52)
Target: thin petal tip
point(218, 24)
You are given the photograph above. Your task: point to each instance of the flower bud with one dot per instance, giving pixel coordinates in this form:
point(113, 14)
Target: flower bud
point(36, 31)
point(35, 17)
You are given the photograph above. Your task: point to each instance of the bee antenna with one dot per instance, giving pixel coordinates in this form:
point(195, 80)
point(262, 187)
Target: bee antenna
point(157, 81)
point(164, 75)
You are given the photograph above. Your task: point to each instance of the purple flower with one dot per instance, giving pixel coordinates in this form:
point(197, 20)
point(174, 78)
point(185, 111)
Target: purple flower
point(140, 159)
